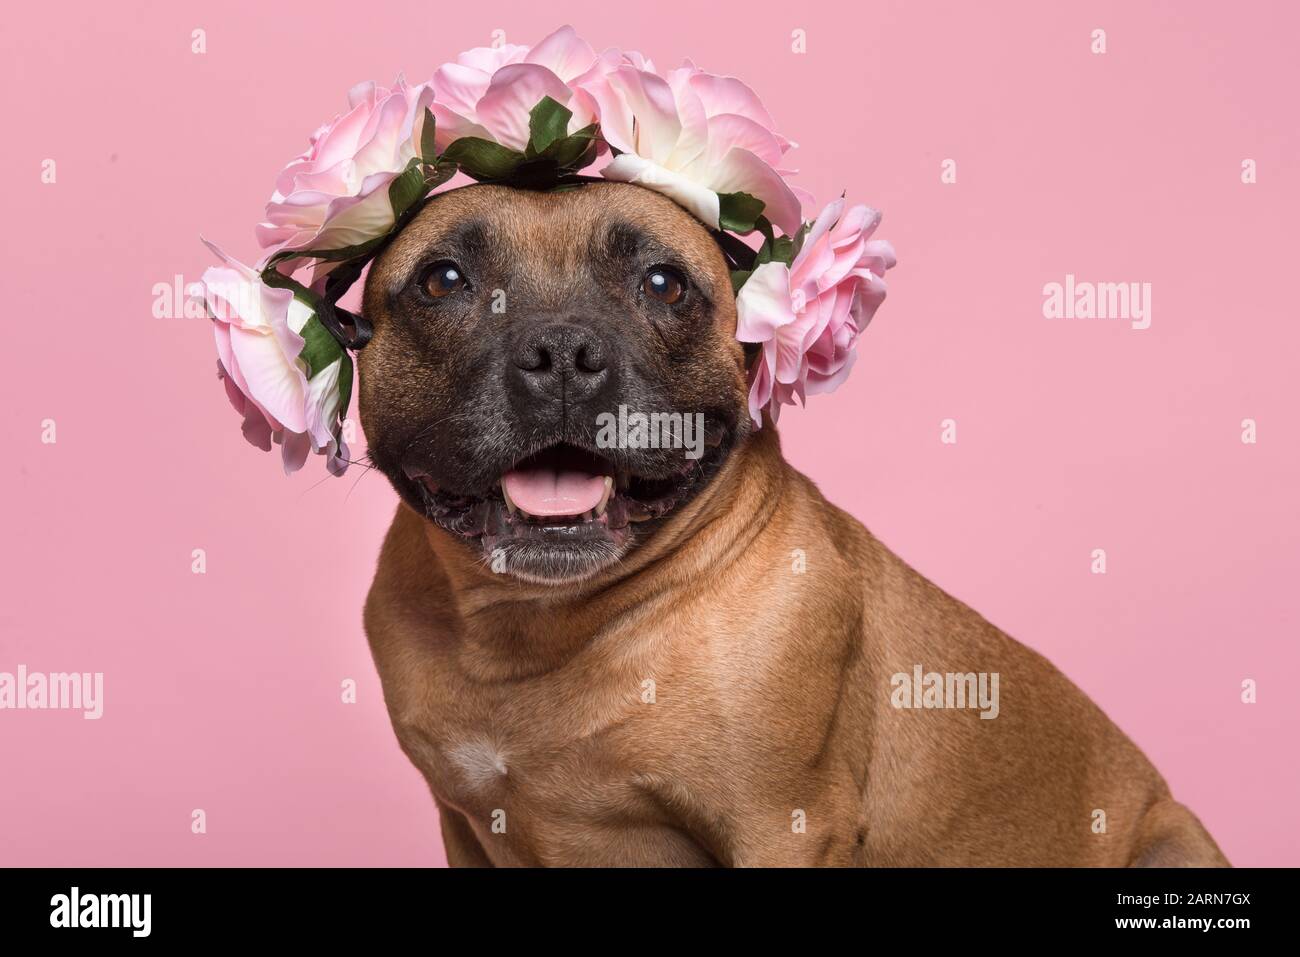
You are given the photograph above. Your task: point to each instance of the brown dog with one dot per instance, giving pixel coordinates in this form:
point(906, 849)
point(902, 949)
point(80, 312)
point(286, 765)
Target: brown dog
point(711, 664)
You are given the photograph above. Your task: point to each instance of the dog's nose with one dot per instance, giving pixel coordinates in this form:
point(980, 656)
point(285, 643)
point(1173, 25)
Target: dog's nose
point(561, 361)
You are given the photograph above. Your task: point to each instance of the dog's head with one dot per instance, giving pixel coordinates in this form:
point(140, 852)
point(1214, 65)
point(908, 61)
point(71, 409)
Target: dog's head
point(552, 374)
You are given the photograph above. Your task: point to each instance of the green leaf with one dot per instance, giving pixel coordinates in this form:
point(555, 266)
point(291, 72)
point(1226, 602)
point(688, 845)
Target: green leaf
point(548, 123)
point(319, 347)
point(738, 277)
point(407, 189)
point(738, 212)
point(428, 151)
point(588, 132)
point(437, 174)
point(483, 159)
point(273, 277)
point(777, 249)
point(576, 151)
point(799, 237)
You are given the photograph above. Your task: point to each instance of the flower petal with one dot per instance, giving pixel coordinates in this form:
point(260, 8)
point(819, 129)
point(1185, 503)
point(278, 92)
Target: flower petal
point(740, 171)
point(686, 192)
point(763, 303)
point(564, 53)
point(511, 96)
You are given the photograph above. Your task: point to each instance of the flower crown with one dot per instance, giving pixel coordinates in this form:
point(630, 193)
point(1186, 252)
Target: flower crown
point(537, 118)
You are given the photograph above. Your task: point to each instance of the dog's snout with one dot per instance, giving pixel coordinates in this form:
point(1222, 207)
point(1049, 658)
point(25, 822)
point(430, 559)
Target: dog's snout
point(562, 361)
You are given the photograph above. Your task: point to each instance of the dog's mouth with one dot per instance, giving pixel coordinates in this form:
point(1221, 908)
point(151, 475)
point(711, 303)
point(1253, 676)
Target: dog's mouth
point(566, 508)
point(564, 487)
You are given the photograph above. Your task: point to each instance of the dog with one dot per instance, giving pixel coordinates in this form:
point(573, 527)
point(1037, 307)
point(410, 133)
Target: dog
point(605, 656)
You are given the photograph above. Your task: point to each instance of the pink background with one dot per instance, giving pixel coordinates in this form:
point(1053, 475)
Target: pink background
point(222, 691)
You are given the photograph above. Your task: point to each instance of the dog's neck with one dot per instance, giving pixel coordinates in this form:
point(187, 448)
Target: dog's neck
point(511, 628)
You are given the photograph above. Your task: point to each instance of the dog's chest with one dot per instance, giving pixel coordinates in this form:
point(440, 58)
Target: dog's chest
point(568, 768)
point(672, 740)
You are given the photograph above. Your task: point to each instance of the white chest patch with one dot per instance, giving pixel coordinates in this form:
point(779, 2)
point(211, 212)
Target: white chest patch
point(479, 760)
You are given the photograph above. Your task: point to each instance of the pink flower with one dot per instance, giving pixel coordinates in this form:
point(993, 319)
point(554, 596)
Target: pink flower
point(259, 343)
point(692, 136)
point(807, 316)
point(335, 194)
point(489, 91)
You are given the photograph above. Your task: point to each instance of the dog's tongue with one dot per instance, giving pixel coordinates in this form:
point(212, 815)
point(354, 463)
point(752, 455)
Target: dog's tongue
point(543, 491)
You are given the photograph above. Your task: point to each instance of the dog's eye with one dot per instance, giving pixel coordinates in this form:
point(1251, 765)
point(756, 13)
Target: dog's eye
point(443, 279)
point(664, 284)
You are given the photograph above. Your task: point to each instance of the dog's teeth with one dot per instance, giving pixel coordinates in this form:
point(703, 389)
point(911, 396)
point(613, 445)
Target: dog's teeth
point(599, 510)
point(509, 504)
